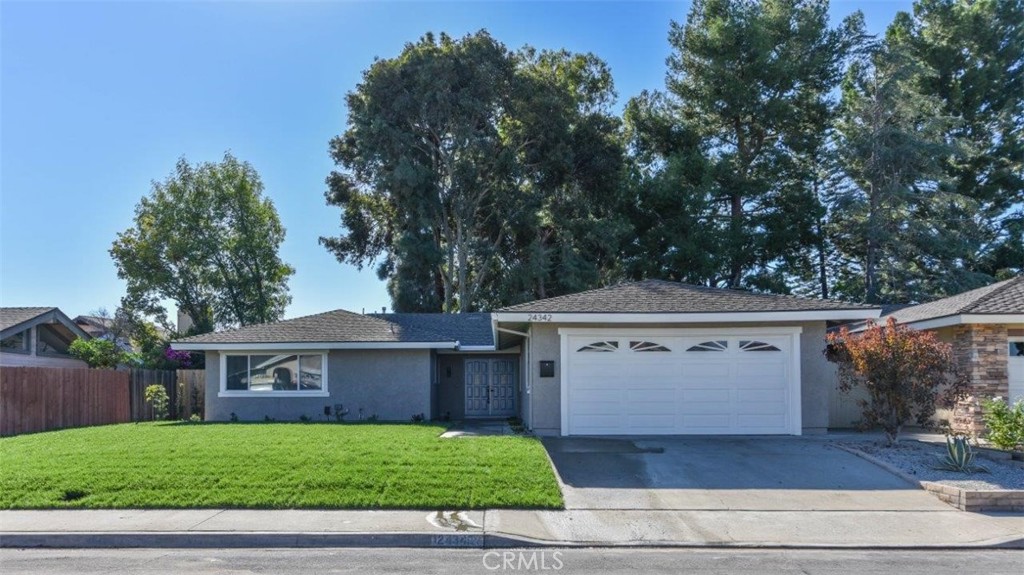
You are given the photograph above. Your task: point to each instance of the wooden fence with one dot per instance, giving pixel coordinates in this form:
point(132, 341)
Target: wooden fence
point(41, 398)
point(185, 390)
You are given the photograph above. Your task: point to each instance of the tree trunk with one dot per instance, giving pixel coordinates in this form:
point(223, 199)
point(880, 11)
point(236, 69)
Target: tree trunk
point(460, 240)
point(871, 259)
point(736, 223)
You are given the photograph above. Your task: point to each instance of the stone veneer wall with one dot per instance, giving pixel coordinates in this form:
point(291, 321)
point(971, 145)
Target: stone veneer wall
point(980, 351)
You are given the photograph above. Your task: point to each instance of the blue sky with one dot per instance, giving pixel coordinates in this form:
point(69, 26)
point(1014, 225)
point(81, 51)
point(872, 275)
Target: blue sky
point(99, 99)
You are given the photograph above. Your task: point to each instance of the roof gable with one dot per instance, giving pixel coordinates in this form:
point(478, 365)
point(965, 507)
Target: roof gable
point(666, 297)
point(469, 329)
point(16, 319)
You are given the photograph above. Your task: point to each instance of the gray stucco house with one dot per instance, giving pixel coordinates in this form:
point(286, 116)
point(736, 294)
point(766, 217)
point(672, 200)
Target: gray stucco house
point(650, 357)
point(38, 337)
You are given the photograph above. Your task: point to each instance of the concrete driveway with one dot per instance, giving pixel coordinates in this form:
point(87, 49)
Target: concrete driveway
point(726, 473)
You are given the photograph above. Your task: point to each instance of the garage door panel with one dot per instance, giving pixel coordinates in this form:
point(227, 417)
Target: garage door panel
point(761, 408)
point(761, 395)
point(701, 395)
point(644, 408)
point(664, 421)
point(705, 370)
point(704, 407)
point(717, 422)
point(761, 421)
point(758, 383)
point(728, 389)
point(769, 370)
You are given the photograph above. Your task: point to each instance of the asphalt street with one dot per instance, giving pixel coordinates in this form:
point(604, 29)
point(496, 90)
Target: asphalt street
point(445, 561)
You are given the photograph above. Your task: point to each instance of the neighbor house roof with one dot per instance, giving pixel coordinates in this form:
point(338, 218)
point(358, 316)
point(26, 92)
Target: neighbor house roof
point(15, 319)
point(996, 303)
point(667, 297)
point(469, 329)
point(338, 328)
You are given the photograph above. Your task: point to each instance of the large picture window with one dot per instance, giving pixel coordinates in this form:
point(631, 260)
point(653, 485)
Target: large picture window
point(268, 373)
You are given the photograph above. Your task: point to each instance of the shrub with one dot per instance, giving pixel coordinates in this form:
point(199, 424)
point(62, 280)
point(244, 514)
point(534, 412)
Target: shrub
point(1005, 423)
point(97, 353)
point(906, 373)
point(959, 455)
point(156, 397)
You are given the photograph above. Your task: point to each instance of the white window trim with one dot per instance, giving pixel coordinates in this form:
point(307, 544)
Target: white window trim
point(794, 389)
point(224, 392)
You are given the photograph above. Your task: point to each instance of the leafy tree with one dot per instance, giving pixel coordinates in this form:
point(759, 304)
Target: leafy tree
point(97, 353)
point(157, 398)
point(906, 373)
point(887, 217)
point(974, 50)
point(207, 239)
point(748, 95)
point(469, 173)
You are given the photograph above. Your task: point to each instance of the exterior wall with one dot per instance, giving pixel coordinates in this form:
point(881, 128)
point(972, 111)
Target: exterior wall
point(394, 385)
point(981, 352)
point(27, 360)
point(544, 409)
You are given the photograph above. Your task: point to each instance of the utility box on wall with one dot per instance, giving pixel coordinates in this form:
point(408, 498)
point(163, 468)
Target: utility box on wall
point(547, 368)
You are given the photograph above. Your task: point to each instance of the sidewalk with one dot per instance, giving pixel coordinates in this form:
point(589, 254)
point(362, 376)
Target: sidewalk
point(510, 528)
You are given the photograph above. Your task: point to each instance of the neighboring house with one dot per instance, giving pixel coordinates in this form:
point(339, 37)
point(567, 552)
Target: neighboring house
point(985, 326)
point(651, 357)
point(100, 327)
point(37, 337)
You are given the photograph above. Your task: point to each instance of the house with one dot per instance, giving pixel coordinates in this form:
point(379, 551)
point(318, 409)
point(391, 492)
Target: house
point(650, 357)
point(37, 337)
point(103, 327)
point(985, 326)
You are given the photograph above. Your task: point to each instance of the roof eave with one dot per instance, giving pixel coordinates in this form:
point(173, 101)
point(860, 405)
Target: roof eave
point(961, 319)
point(310, 345)
point(710, 317)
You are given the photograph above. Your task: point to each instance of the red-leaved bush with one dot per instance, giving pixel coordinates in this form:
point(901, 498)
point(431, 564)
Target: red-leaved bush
point(907, 374)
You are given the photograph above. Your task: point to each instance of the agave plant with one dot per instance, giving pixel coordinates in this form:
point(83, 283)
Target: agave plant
point(959, 455)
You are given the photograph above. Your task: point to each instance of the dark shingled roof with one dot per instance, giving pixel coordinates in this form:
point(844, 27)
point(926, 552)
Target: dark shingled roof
point(338, 326)
point(1005, 297)
point(466, 328)
point(658, 296)
point(12, 316)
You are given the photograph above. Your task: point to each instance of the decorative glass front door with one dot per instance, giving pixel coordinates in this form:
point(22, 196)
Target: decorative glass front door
point(490, 387)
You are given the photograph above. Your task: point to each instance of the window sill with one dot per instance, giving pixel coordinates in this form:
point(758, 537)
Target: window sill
point(273, 394)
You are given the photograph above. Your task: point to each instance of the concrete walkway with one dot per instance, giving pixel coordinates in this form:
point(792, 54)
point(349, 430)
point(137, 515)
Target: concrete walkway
point(510, 528)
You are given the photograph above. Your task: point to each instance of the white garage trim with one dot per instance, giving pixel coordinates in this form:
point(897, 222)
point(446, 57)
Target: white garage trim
point(794, 426)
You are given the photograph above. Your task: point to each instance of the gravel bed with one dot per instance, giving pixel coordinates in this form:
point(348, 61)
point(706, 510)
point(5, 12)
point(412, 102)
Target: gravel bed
point(922, 461)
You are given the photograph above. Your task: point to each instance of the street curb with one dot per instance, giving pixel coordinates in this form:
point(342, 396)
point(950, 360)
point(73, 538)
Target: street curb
point(237, 539)
point(299, 540)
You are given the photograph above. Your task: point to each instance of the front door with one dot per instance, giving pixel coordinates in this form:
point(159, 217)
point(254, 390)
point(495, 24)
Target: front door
point(490, 387)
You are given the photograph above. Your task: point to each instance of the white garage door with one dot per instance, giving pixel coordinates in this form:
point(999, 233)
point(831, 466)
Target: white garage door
point(664, 383)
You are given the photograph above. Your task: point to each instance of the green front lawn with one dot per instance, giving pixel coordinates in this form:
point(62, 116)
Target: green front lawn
point(273, 465)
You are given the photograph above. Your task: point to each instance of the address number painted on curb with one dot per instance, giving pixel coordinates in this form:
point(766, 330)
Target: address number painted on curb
point(457, 540)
